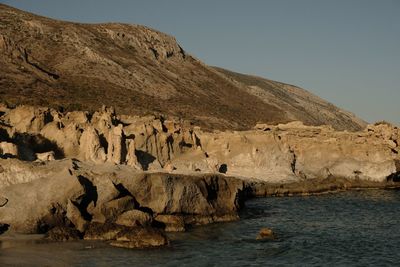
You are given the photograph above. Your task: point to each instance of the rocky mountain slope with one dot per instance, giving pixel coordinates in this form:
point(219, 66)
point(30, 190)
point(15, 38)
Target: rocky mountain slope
point(299, 104)
point(140, 71)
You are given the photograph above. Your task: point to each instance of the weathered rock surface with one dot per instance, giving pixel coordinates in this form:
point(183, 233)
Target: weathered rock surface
point(282, 153)
point(90, 146)
point(66, 199)
point(108, 177)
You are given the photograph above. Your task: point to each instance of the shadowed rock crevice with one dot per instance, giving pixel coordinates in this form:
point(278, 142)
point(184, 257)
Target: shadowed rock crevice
point(30, 144)
point(394, 177)
point(144, 159)
point(90, 195)
point(397, 164)
point(4, 228)
point(123, 192)
point(294, 160)
point(212, 190)
point(223, 168)
point(103, 142)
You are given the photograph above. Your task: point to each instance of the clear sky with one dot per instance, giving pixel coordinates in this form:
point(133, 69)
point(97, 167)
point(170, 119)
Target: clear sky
point(345, 51)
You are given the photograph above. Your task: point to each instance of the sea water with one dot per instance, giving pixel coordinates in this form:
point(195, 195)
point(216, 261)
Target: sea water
point(357, 228)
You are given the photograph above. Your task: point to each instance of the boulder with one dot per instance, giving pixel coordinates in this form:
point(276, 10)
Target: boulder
point(134, 218)
point(76, 217)
point(103, 231)
point(28, 119)
point(182, 194)
point(131, 158)
point(110, 210)
point(63, 233)
point(40, 203)
point(103, 120)
point(171, 223)
point(46, 156)
point(78, 117)
point(8, 149)
point(66, 137)
point(90, 146)
point(115, 145)
point(140, 238)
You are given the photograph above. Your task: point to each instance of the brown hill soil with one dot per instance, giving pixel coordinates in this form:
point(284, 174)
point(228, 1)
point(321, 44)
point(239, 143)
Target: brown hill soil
point(139, 71)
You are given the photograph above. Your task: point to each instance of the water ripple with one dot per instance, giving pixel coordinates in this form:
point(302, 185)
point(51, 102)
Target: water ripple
point(350, 228)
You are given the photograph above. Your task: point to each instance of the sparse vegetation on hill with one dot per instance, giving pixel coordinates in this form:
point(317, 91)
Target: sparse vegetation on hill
point(140, 71)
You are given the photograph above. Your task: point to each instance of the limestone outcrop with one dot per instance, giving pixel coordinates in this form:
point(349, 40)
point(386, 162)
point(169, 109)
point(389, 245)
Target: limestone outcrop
point(68, 174)
point(273, 153)
point(67, 197)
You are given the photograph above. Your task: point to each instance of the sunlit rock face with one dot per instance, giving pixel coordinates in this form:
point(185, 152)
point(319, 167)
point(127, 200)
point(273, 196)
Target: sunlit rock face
point(106, 176)
point(274, 153)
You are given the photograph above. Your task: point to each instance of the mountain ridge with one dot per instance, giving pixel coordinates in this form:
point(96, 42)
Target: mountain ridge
point(141, 71)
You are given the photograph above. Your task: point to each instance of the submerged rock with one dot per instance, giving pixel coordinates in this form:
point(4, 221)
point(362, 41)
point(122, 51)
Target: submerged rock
point(134, 218)
point(171, 223)
point(127, 237)
point(140, 238)
point(63, 233)
point(103, 231)
point(265, 233)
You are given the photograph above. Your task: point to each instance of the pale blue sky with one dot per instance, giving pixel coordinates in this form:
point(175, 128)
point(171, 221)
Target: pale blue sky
point(346, 51)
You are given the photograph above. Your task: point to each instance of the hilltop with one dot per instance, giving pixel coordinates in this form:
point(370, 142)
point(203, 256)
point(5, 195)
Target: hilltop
point(140, 71)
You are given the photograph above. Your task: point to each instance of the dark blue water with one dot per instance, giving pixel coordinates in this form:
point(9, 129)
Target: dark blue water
point(345, 229)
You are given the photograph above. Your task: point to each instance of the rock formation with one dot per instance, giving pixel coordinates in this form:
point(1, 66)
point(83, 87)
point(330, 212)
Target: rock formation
point(107, 176)
point(271, 153)
point(71, 196)
point(126, 179)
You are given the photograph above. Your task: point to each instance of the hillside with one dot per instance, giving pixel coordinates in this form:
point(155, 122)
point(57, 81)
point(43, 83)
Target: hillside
point(140, 71)
point(298, 103)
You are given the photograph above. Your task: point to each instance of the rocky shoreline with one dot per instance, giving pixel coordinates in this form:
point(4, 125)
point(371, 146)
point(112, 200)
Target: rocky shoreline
point(78, 201)
point(127, 180)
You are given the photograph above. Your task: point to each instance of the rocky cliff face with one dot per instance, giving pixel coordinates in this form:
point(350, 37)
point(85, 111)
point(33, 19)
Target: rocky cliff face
point(100, 175)
point(286, 152)
point(69, 193)
point(139, 71)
